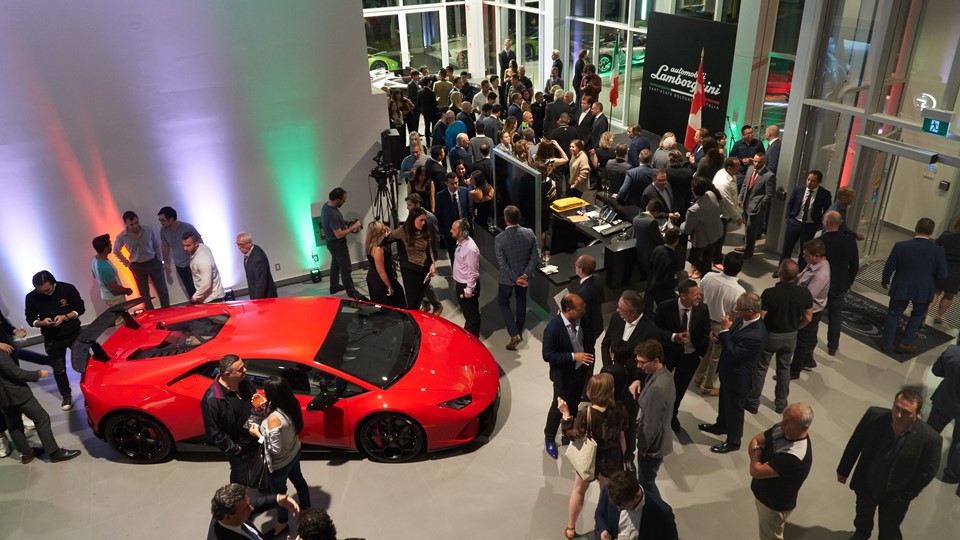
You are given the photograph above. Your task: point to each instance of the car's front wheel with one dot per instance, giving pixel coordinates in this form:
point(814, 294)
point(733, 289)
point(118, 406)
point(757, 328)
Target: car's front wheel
point(391, 438)
point(141, 438)
point(378, 64)
point(605, 63)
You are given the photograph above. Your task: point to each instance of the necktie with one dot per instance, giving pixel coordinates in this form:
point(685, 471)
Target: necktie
point(806, 206)
point(752, 178)
point(685, 318)
point(665, 195)
point(250, 532)
point(245, 258)
point(456, 202)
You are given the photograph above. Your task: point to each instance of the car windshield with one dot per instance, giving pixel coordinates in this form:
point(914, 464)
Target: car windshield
point(374, 344)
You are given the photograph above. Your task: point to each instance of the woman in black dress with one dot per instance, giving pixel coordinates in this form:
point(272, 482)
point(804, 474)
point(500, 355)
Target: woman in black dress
point(417, 255)
point(382, 284)
point(712, 160)
point(948, 287)
point(599, 157)
point(605, 421)
point(481, 198)
point(422, 186)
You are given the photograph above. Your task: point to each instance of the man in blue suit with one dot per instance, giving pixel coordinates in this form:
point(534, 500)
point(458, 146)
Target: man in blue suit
point(915, 266)
point(451, 204)
point(741, 343)
point(624, 497)
point(946, 408)
point(564, 348)
point(804, 215)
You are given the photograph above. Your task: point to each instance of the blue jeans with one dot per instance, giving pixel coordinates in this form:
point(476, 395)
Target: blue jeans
point(514, 323)
point(894, 312)
point(278, 486)
point(647, 468)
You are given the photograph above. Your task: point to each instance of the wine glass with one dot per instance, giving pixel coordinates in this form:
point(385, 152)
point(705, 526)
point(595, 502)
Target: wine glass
point(546, 257)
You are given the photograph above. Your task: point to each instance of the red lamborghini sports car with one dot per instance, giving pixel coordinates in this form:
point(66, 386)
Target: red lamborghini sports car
point(386, 382)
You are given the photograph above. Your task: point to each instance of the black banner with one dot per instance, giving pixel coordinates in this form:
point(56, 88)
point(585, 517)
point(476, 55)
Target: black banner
point(670, 72)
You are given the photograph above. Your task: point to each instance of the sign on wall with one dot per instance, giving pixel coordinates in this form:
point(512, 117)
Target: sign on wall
point(670, 72)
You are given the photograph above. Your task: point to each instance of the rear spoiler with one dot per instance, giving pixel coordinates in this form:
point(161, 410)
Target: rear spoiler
point(80, 350)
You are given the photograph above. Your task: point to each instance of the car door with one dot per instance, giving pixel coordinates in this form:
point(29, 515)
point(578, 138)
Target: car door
point(323, 427)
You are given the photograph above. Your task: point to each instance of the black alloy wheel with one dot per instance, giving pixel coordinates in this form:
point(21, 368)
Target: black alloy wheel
point(391, 438)
point(378, 64)
point(139, 437)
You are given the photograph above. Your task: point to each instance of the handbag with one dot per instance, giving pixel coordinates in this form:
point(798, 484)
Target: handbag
point(582, 453)
point(255, 469)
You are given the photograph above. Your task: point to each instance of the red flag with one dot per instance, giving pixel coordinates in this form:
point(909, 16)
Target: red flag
point(615, 73)
point(696, 104)
point(615, 90)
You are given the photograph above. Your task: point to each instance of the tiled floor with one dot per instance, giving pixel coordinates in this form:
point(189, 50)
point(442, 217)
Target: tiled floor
point(506, 487)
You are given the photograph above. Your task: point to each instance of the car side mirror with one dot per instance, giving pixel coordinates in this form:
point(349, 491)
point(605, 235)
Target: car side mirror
point(322, 401)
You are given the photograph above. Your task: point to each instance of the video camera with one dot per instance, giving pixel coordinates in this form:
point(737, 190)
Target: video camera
point(382, 173)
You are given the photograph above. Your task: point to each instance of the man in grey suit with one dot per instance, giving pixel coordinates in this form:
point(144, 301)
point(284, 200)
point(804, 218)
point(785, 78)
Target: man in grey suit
point(703, 225)
point(915, 266)
point(256, 266)
point(758, 185)
point(946, 408)
point(516, 250)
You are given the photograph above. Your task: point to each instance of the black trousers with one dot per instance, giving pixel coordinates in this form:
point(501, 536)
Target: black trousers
point(183, 272)
point(34, 411)
point(340, 264)
point(470, 308)
point(834, 320)
point(754, 230)
point(56, 349)
point(806, 343)
point(733, 397)
point(413, 284)
point(890, 513)
point(143, 273)
point(796, 233)
point(570, 391)
point(683, 372)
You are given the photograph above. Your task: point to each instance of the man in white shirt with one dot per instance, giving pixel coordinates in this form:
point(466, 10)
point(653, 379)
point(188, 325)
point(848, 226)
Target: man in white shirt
point(726, 183)
point(206, 277)
point(720, 291)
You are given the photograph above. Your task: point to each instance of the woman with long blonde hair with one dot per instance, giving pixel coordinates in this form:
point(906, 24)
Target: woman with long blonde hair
point(382, 281)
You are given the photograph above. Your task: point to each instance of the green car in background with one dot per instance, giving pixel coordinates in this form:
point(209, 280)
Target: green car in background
point(378, 60)
point(605, 56)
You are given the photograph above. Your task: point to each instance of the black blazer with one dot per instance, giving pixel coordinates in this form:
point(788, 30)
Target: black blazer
point(914, 466)
point(551, 114)
point(844, 258)
point(13, 382)
point(446, 211)
point(584, 129)
point(504, 57)
point(646, 230)
point(600, 126)
point(259, 280)
point(645, 330)
point(557, 351)
point(667, 319)
point(663, 264)
point(260, 505)
point(591, 291)
point(818, 206)
point(740, 350)
point(427, 103)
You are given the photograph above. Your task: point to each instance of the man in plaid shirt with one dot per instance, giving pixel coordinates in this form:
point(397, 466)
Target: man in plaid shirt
point(516, 249)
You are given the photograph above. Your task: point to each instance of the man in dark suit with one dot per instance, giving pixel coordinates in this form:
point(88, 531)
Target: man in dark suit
point(844, 258)
point(915, 266)
point(637, 180)
point(638, 143)
point(684, 326)
point(17, 401)
point(696, 153)
point(617, 168)
point(552, 112)
point(413, 93)
point(646, 231)
point(805, 211)
point(233, 512)
point(257, 267)
point(660, 190)
point(772, 134)
point(591, 290)
point(897, 455)
point(427, 103)
point(600, 126)
point(845, 196)
point(946, 408)
point(583, 121)
point(624, 495)
point(451, 204)
point(741, 343)
point(564, 348)
point(469, 119)
point(758, 186)
point(662, 281)
point(436, 170)
point(628, 324)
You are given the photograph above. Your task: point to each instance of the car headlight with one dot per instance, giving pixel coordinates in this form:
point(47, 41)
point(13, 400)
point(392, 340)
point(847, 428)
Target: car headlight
point(458, 403)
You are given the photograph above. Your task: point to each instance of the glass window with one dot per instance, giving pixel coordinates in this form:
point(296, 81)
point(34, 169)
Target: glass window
point(581, 38)
point(642, 10)
point(779, 79)
point(826, 132)
point(457, 38)
point(303, 379)
point(637, 56)
point(612, 48)
point(424, 40)
point(583, 8)
point(490, 46)
point(730, 11)
point(614, 11)
point(787, 34)
point(383, 43)
point(369, 4)
point(528, 48)
point(184, 336)
point(420, 2)
point(844, 51)
point(702, 9)
point(374, 344)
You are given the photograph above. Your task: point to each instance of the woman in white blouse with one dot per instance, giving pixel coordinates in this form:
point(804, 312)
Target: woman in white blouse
point(280, 434)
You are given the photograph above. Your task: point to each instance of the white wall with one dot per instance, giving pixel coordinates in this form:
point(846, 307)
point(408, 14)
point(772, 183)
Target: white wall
point(238, 113)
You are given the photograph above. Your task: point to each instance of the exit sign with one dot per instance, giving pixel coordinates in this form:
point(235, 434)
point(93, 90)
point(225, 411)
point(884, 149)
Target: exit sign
point(936, 127)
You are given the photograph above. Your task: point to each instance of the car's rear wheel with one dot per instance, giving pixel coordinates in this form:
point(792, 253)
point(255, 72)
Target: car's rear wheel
point(378, 64)
point(391, 438)
point(605, 63)
point(141, 438)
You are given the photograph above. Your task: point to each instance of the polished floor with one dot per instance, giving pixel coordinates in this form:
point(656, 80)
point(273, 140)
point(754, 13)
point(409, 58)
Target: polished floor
point(506, 487)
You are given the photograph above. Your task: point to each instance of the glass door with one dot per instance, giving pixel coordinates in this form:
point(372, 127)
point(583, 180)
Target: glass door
point(426, 41)
point(873, 201)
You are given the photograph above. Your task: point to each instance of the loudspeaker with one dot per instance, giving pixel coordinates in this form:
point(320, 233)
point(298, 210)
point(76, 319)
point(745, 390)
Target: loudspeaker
point(392, 147)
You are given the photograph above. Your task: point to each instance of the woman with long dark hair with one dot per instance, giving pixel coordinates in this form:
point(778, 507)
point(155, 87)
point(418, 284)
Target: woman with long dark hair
point(417, 255)
point(481, 198)
point(423, 186)
point(280, 433)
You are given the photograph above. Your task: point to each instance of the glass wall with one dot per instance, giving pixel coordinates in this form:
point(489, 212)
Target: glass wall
point(425, 40)
point(383, 42)
point(783, 57)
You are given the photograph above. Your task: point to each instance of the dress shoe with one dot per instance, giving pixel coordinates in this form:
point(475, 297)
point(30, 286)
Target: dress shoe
point(438, 310)
point(67, 403)
point(832, 352)
point(779, 410)
point(950, 478)
point(675, 425)
point(810, 365)
point(723, 448)
point(717, 267)
point(710, 392)
point(712, 428)
point(425, 308)
point(906, 349)
point(740, 249)
point(63, 455)
point(551, 448)
point(776, 275)
point(514, 341)
point(27, 458)
point(752, 410)
point(334, 289)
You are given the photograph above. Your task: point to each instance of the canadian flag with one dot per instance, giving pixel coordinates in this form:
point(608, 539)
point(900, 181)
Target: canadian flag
point(696, 104)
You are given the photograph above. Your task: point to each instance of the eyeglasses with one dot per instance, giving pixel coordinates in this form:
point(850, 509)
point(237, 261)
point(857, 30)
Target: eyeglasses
point(642, 361)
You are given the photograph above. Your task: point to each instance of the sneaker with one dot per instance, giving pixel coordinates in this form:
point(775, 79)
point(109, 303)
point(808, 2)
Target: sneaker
point(67, 403)
point(27, 423)
point(4, 447)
